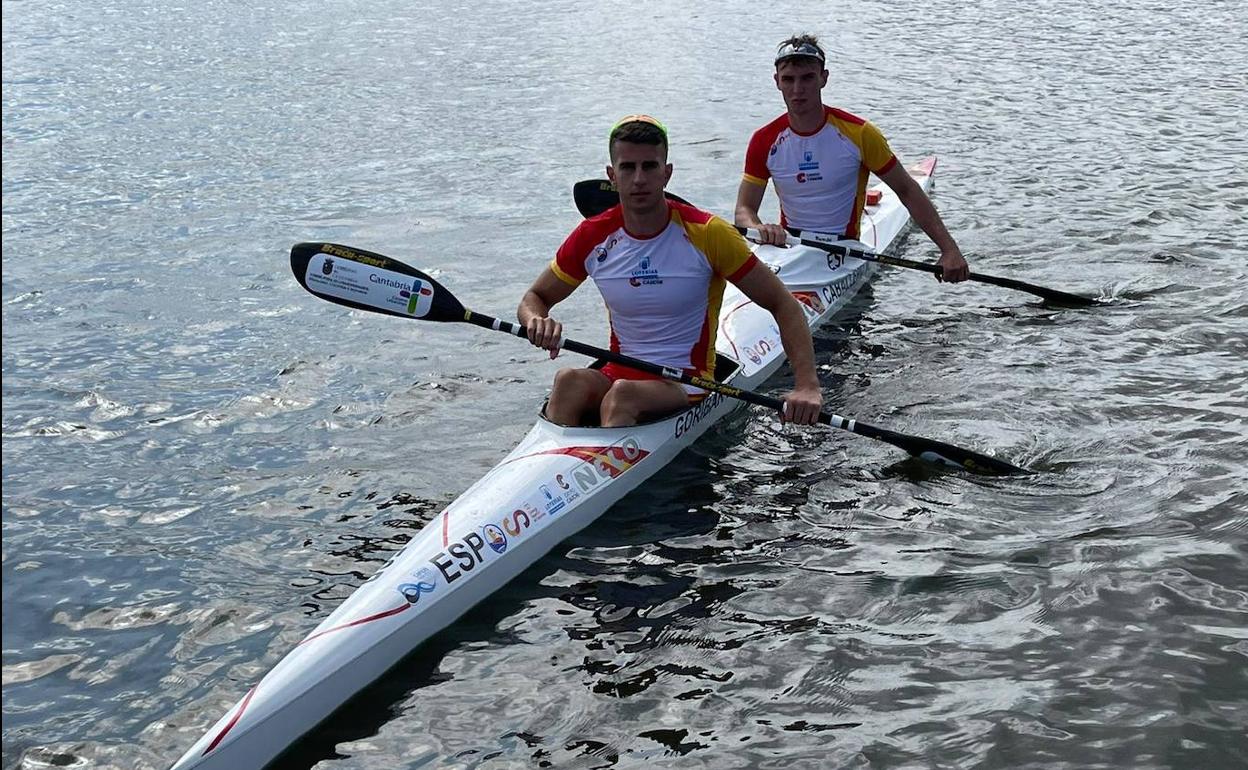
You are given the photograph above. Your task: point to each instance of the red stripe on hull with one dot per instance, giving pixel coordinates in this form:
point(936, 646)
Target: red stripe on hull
point(361, 621)
point(221, 735)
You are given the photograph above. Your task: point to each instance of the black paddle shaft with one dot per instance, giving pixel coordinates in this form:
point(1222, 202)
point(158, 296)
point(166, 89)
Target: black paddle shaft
point(365, 280)
point(1052, 295)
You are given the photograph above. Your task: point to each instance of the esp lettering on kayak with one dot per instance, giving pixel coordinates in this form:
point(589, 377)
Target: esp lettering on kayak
point(465, 554)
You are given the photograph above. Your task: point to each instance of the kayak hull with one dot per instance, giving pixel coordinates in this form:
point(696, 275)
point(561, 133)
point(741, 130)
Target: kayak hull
point(554, 483)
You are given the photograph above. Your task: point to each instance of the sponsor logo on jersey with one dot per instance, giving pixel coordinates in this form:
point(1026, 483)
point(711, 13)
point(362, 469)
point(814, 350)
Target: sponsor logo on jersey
point(603, 249)
point(644, 275)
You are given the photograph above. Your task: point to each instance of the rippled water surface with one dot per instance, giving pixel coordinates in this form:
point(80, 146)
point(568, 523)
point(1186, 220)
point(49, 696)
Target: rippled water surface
point(201, 461)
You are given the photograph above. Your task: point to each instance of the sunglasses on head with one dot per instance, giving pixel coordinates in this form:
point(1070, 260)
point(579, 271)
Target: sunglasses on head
point(789, 50)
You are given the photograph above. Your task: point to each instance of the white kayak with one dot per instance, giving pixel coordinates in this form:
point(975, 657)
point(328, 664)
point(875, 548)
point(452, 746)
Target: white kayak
point(556, 482)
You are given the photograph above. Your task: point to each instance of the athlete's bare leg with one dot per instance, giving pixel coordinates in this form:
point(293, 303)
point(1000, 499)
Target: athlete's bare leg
point(575, 392)
point(628, 402)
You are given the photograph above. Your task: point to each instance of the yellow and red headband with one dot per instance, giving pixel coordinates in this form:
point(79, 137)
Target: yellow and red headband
point(639, 119)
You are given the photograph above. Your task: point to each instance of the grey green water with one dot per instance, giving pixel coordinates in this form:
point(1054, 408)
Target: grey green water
point(201, 460)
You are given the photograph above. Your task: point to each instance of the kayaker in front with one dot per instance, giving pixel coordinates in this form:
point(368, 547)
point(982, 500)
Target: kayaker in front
point(555, 482)
point(661, 268)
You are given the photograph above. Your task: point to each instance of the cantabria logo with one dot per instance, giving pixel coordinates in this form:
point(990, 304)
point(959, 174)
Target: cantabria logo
point(419, 297)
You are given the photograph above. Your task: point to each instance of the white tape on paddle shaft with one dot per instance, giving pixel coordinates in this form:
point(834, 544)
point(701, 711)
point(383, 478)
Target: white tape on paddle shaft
point(838, 421)
point(499, 325)
point(367, 285)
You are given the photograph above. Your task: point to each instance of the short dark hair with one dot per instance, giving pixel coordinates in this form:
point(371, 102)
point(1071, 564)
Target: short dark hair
point(804, 46)
point(637, 132)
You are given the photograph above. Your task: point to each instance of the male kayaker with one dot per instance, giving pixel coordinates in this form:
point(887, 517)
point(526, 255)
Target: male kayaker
point(660, 267)
point(820, 158)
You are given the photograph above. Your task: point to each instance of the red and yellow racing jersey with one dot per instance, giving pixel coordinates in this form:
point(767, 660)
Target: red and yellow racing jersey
point(663, 293)
point(821, 178)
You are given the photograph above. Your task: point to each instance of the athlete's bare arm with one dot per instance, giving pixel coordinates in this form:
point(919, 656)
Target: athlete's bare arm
point(802, 404)
point(534, 311)
point(953, 265)
point(749, 201)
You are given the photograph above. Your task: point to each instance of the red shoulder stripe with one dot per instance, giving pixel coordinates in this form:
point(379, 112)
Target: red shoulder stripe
point(576, 247)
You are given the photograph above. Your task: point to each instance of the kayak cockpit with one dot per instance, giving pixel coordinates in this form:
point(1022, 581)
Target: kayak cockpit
point(725, 368)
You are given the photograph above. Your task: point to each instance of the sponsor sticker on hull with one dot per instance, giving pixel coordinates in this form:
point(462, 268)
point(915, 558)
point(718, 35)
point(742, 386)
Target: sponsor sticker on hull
point(811, 302)
point(551, 502)
point(425, 582)
point(598, 464)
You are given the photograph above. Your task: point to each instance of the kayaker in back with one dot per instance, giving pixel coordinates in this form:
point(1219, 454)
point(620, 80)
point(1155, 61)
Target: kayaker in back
point(820, 157)
point(661, 268)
